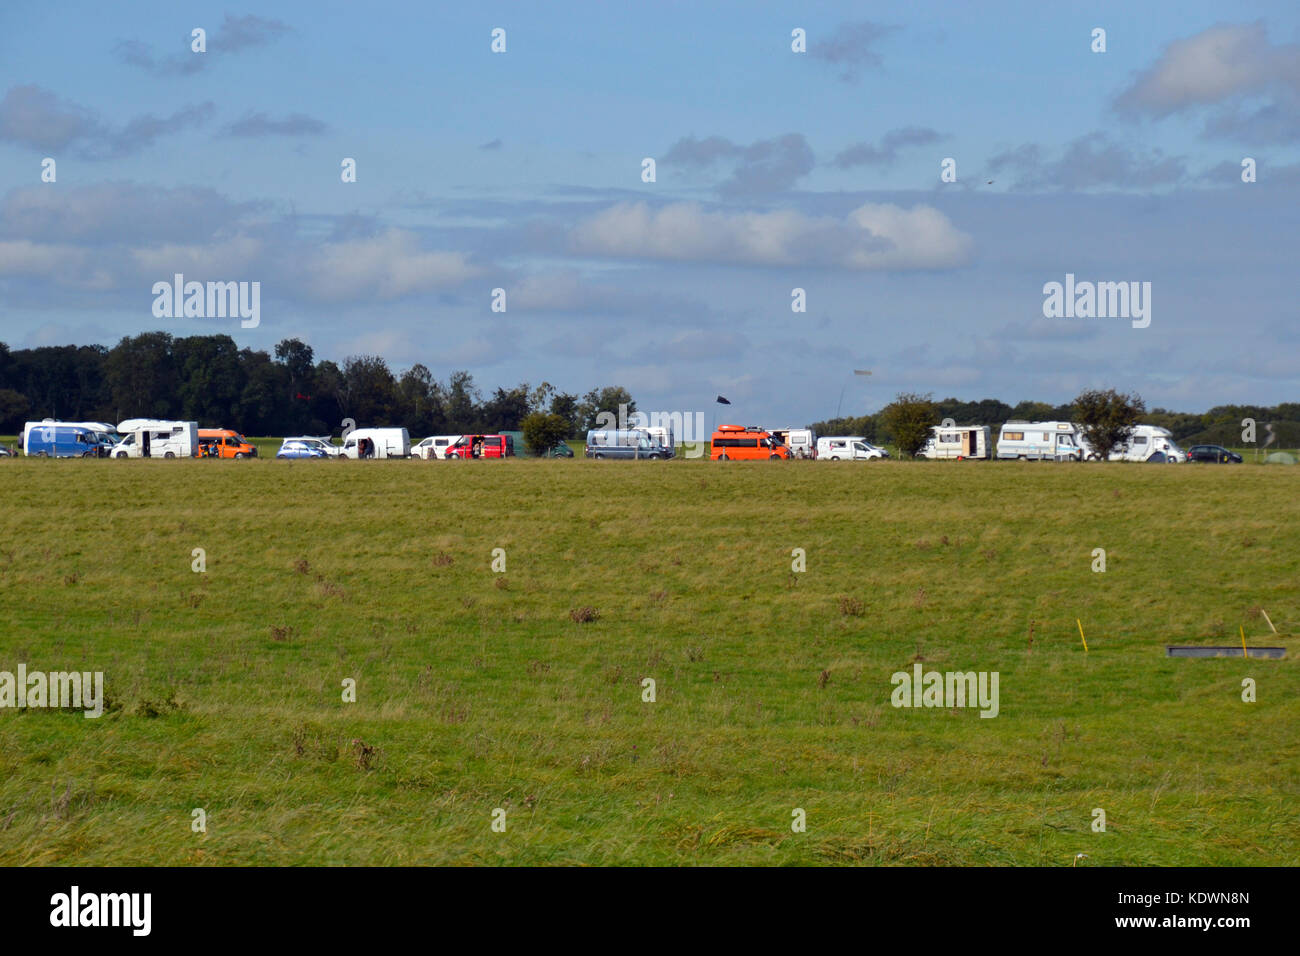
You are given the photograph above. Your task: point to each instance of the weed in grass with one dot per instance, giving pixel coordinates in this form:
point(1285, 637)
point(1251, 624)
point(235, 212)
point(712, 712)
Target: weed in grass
point(851, 606)
point(584, 615)
point(442, 559)
point(364, 753)
point(281, 632)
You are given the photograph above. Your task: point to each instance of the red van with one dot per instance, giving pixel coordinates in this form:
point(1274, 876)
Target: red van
point(482, 446)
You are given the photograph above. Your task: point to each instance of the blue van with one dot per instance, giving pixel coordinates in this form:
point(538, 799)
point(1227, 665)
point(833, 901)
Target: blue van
point(61, 440)
point(623, 443)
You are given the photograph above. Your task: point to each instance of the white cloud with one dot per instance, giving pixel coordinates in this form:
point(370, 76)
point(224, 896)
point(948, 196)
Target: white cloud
point(59, 263)
point(874, 236)
point(1217, 64)
point(222, 260)
point(386, 266)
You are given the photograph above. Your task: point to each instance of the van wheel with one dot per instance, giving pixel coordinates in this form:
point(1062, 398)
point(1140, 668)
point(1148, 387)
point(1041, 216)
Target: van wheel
point(598, 455)
point(169, 455)
point(240, 454)
point(121, 454)
point(723, 457)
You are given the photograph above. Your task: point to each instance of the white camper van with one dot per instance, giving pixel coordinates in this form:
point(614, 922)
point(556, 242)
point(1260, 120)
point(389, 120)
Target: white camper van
point(959, 441)
point(156, 438)
point(1040, 441)
point(849, 448)
point(435, 446)
point(801, 441)
point(377, 443)
point(1149, 443)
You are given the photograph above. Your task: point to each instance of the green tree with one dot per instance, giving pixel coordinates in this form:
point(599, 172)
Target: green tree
point(543, 431)
point(908, 419)
point(607, 400)
point(1107, 418)
point(566, 406)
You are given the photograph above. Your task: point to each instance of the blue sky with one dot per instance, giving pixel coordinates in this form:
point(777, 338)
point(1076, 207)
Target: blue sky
point(775, 170)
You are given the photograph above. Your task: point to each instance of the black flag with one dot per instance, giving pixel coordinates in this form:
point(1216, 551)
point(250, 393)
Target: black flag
point(723, 401)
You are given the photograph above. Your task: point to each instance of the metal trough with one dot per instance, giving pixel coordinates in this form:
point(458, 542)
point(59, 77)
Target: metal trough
point(1227, 650)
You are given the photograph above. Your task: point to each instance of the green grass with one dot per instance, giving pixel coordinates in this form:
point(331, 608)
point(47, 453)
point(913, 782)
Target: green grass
point(477, 690)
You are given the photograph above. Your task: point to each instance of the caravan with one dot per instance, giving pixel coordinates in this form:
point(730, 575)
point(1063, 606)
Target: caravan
point(956, 441)
point(801, 442)
point(1040, 441)
point(1148, 443)
point(154, 438)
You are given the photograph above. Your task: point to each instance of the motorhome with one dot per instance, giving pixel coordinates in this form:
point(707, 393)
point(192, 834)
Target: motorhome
point(848, 448)
point(1040, 441)
point(623, 443)
point(377, 443)
point(1149, 443)
point(801, 441)
point(157, 438)
point(958, 441)
point(50, 439)
point(434, 447)
point(745, 442)
point(225, 443)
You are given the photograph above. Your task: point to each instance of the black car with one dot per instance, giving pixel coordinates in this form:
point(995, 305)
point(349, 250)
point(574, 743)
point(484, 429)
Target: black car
point(1212, 453)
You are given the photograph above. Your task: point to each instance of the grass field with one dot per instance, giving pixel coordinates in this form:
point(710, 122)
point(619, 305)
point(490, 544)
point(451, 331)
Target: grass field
point(478, 690)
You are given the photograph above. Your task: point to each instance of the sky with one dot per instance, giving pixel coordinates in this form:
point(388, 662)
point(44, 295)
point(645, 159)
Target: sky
point(775, 169)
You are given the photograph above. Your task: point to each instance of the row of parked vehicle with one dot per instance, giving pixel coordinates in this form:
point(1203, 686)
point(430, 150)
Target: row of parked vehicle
point(1036, 441)
point(133, 438)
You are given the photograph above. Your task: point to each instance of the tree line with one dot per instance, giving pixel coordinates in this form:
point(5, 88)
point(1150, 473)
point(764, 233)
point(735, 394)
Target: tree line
point(209, 379)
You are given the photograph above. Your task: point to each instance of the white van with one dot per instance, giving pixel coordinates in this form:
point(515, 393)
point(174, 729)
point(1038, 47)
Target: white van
point(848, 448)
point(801, 441)
point(435, 446)
point(1149, 443)
point(377, 443)
point(156, 438)
point(959, 441)
point(1040, 441)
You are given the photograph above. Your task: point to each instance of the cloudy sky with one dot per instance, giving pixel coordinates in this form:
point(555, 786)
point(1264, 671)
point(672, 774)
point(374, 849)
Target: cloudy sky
point(774, 170)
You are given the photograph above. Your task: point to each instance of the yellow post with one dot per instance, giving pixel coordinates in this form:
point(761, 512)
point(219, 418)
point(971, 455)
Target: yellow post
point(1084, 639)
point(1243, 640)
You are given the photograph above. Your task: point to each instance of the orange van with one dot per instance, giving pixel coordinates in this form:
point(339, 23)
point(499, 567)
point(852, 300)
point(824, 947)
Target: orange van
point(737, 441)
point(224, 443)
